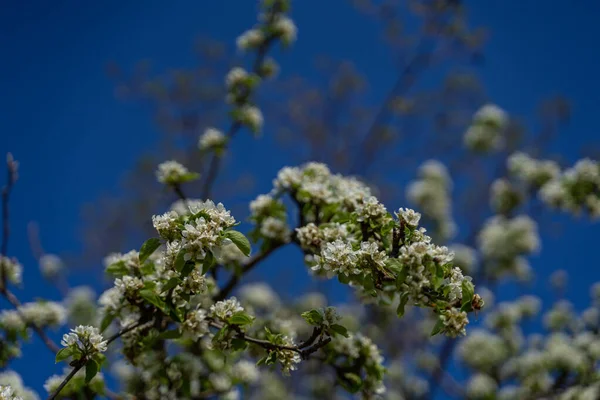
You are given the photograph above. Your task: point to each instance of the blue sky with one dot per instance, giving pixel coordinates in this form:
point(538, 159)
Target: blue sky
point(74, 139)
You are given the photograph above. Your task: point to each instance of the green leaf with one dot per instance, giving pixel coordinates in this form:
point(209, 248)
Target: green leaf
point(63, 354)
point(99, 358)
point(468, 291)
point(351, 382)
point(239, 240)
point(190, 176)
point(240, 318)
point(180, 260)
point(220, 335)
point(262, 361)
point(175, 314)
point(171, 283)
point(271, 358)
point(403, 300)
point(313, 317)
point(208, 262)
point(340, 330)
point(238, 344)
point(152, 298)
point(187, 269)
point(394, 265)
point(106, 321)
point(148, 248)
point(439, 325)
point(172, 334)
point(91, 369)
point(117, 269)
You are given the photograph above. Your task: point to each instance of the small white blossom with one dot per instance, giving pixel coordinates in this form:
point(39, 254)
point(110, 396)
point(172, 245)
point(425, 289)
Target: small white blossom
point(211, 139)
point(226, 308)
point(87, 339)
point(171, 172)
point(250, 39)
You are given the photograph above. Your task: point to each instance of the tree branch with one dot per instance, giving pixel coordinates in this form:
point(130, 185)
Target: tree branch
point(301, 348)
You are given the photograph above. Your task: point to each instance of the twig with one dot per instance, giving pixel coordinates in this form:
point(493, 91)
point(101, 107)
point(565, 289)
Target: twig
point(11, 177)
point(300, 349)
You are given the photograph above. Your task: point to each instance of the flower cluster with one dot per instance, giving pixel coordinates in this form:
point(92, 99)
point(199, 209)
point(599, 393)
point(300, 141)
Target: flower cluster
point(431, 194)
point(348, 233)
point(504, 197)
point(10, 269)
point(84, 341)
point(173, 173)
point(486, 132)
point(504, 242)
point(212, 138)
point(359, 353)
point(11, 384)
point(508, 365)
point(576, 189)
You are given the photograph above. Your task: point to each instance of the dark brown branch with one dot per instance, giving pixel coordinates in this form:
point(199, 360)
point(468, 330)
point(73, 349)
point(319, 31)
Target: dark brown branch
point(304, 352)
point(11, 177)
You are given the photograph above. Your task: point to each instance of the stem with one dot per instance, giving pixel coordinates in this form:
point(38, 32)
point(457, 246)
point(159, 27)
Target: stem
point(66, 380)
point(265, 344)
point(11, 177)
point(179, 192)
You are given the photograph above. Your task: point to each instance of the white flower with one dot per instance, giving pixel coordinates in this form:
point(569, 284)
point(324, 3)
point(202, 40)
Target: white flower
point(454, 322)
point(309, 236)
point(259, 295)
point(7, 393)
point(338, 257)
point(11, 269)
point(370, 209)
point(245, 371)
point(196, 323)
point(11, 384)
point(288, 178)
point(409, 216)
point(251, 116)
point(86, 339)
point(51, 265)
point(261, 204)
point(171, 172)
point(211, 138)
point(286, 28)
point(276, 229)
point(226, 308)
point(369, 251)
point(166, 224)
point(481, 386)
point(235, 77)
point(250, 39)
